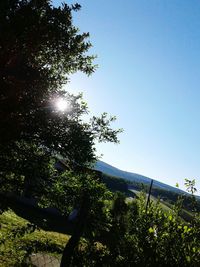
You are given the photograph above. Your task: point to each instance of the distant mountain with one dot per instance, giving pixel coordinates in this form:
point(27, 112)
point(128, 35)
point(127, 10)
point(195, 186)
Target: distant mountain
point(133, 177)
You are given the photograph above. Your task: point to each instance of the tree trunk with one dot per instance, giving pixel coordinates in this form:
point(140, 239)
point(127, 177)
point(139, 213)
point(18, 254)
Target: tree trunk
point(68, 252)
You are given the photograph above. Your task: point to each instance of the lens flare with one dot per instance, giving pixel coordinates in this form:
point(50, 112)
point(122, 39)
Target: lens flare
point(62, 104)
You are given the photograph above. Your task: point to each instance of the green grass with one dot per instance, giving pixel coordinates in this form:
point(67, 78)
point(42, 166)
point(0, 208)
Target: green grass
point(18, 239)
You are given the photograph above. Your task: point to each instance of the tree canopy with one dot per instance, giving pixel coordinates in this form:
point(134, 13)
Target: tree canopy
point(39, 49)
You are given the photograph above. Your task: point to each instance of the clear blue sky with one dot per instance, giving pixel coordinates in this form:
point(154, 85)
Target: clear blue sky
point(149, 77)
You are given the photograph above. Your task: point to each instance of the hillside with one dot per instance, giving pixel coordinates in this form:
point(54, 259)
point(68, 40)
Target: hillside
point(126, 182)
point(133, 177)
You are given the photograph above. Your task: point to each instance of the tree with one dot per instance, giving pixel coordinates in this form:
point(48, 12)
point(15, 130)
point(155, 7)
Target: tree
point(39, 49)
point(190, 186)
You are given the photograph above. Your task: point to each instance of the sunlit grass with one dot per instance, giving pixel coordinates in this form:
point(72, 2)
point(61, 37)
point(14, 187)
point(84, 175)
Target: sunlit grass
point(16, 246)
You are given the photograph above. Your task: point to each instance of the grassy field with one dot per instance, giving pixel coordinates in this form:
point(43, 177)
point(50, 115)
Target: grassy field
point(19, 239)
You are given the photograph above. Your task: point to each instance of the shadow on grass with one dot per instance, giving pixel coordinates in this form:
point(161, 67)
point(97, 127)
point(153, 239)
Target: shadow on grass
point(44, 219)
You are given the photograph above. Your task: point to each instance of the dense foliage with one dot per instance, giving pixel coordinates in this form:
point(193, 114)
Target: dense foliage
point(135, 237)
point(39, 49)
point(116, 184)
point(116, 233)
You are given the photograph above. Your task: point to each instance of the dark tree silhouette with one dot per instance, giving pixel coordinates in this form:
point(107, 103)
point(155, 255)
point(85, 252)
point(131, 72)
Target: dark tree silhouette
point(39, 48)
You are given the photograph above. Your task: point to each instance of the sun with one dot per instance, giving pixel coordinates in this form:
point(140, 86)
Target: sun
point(62, 104)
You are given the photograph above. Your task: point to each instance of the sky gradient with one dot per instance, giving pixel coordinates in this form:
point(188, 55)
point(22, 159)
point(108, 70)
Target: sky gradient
point(148, 76)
